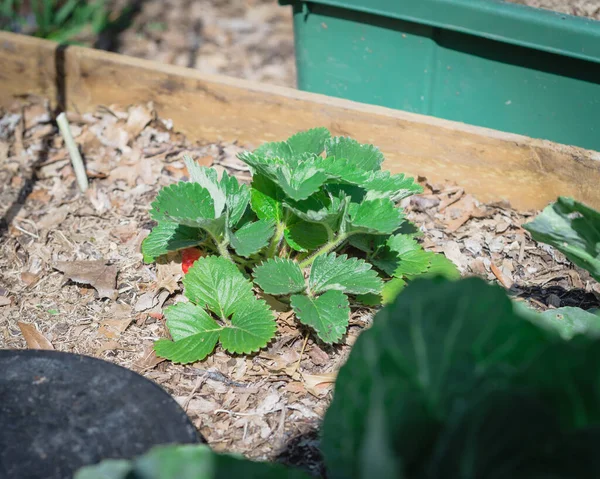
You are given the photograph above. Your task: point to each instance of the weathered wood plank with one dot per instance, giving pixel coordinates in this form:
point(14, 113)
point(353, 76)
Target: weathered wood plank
point(492, 165)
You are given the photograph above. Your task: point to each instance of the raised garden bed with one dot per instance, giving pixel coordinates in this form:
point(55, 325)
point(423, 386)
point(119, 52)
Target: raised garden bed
point(264, 404)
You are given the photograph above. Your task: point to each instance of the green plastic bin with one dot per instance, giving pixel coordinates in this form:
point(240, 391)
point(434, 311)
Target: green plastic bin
point(482, 62)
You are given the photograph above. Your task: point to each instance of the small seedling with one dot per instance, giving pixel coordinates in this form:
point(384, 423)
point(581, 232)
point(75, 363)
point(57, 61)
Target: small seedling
point(319, 227)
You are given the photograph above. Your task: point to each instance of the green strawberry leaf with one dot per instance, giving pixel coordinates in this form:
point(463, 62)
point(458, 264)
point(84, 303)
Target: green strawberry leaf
point(439, 266)
point(252, 327)
point(188, 204)
point(167, 236)
point(259, 163)
point(378, 216)
point(237, 197)
point(363, 157)
point(298, 180)
point(217, 283)
point(412, 258)
point(391, 289)
point(252, 237)
point(369, 299)
point(185, 203)
point(304, 236)
point(279, 276)
point(273, 149)
point(319, 208)
point(226, 193)
point(350, 275)
point(368, 243)
point(194, 332)
point(342, 169)
point(382, 184)
point(207, 178)
point(310, 141)
point(328, 314)
point(301, 180)
point(266, 199)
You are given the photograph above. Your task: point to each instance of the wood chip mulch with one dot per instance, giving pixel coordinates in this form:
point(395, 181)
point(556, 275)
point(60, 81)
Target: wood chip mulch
point(70, 266)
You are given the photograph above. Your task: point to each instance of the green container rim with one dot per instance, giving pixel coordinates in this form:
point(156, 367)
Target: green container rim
point(516, 24)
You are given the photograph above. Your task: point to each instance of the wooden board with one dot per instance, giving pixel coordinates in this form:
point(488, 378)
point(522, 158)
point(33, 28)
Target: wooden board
point(492, 165)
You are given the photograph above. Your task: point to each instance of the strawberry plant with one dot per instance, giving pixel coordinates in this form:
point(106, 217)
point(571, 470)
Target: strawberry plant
point(318, 227)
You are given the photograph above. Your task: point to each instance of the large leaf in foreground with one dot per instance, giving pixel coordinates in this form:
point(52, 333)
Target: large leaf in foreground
point(167, 236)
point(279, 276)
point(350, 275)
point(572, 228)
point(186, 462)
point(328, 314)
point(424, 353)
point(504, 434)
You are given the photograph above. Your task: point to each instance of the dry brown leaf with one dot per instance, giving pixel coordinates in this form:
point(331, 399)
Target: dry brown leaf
point(125, 173)
point(168, 273)
point(33, 338)
point(319, 384)
point(139, 117)
point(98, 274)
point(29, 278)
point(110, 346)
point(149, 359)
point(318, 356)
point(504, 281)
point(112, 328)
point(3, 151)
point(295, 387)
point(54, 217)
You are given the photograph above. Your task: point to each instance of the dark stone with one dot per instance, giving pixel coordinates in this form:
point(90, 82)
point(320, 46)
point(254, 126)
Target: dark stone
point(61, 411)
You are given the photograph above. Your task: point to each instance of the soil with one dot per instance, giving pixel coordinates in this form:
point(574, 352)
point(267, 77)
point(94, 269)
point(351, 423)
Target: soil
point(72, 276)
point(580, 8)
point(251, 39)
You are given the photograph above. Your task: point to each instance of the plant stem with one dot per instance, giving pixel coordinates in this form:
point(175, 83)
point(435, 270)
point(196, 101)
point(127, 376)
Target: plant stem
point(326, 248)
point(221, 247)
point(276, 240)
point(76, 160)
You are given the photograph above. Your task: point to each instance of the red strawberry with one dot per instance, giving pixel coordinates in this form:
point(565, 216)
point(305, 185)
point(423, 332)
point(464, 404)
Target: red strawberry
point(189, 257)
